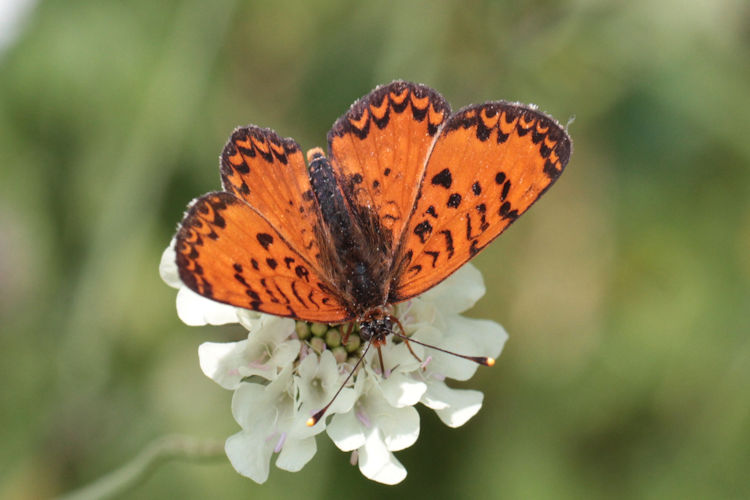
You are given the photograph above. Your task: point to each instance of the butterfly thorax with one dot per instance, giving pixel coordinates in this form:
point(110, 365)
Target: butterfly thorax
point(352, 249)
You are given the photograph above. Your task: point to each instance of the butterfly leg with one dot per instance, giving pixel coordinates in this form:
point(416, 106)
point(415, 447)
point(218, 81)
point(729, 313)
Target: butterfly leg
point(380, 357)
point(347, 332)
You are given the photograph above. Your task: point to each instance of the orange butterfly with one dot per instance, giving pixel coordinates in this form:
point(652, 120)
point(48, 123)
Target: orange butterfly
point(408, 193)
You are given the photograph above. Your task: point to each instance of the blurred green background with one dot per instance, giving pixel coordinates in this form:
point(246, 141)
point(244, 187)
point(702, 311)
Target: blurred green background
point(625, 291)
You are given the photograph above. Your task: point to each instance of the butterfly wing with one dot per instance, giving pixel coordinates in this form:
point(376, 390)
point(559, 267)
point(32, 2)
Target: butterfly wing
point(490, 163)
point(378, 149)
point(230, 253)
point(269, 173)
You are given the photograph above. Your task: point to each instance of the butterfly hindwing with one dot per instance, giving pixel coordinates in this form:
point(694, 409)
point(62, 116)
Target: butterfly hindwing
point(490, 163)
point(228, 252)
point(378, 151)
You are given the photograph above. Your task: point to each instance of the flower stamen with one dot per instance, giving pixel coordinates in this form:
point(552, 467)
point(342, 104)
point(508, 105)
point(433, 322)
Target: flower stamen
point(280, 443)
point(362, 417)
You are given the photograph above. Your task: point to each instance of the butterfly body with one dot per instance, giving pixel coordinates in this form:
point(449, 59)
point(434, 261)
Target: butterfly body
point(355, 245)
point(407, 194)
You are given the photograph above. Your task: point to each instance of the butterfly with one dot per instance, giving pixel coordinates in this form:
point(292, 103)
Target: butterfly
point(407, 194)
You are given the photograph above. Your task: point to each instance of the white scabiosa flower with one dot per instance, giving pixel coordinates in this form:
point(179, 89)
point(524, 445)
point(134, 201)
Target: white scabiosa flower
point(285, 371)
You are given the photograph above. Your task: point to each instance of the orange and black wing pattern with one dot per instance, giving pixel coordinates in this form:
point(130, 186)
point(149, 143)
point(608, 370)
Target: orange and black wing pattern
point(228, 252)
point(269, 173)
point(378, 151)
point(490, 163)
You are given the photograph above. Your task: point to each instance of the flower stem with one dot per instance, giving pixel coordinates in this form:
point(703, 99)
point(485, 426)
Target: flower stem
point(137, 470)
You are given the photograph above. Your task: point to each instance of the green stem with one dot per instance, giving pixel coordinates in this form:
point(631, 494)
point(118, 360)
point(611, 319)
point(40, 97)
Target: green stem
point(137, 470)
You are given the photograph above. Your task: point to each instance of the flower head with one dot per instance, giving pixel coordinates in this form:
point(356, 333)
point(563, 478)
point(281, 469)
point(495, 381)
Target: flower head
point(285, 371)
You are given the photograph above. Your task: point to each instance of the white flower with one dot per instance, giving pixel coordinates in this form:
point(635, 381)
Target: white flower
point(270, 346)
point(285, 371)
point(383, 420)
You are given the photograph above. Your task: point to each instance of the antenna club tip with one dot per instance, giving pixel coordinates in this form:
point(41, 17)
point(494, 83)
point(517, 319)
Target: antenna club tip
point(490, 361)
point(311, 421)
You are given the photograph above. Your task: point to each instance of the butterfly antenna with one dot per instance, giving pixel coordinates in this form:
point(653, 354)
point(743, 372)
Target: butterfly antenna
point(319, 414)
point(482, 360)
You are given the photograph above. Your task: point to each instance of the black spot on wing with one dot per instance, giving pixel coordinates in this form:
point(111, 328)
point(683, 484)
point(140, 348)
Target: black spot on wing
point(483, 133)
point(434, 256)
point(302, 272)
point(443, 178)
point(297, 295)
point(474, 249)
point(506, 213)
point(454, 200)
point(265, 239)
point(551, 170)
point(506, 189)
point(448, 242)
point(423, 230)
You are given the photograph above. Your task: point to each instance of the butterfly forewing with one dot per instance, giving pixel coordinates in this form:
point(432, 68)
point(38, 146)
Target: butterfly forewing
point(227, 252)
point(490, 163)
point(269, 173)
point(378, 150)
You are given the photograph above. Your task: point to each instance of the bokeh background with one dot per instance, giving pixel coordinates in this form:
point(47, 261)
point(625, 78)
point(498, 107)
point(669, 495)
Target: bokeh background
point(626, 290)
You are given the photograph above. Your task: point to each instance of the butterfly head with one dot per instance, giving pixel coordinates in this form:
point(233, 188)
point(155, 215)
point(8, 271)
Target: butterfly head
point(376, 330)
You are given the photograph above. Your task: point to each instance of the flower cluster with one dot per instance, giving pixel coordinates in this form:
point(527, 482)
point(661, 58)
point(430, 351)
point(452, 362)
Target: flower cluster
point(285, 371)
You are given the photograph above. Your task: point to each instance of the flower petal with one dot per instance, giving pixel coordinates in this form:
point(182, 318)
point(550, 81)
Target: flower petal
point(401, 390)
point(473, 337)
point(379, 464)
point(196, 310)
point(220, 361)
point(168, 267)
point(346, 431)
point(250, 455)
point(488, 337)
point(454, 406)
point(265, 408)
point(399, 427)
point(459, 292)
point(296, 453)
point(401, 430)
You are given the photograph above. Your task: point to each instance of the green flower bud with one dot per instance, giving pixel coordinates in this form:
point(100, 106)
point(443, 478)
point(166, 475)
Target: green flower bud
point(340, 354)
point(353, 343)
point(318, 344)
point(318, 329)
point(303, 329)
point(333, 338)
